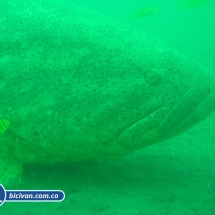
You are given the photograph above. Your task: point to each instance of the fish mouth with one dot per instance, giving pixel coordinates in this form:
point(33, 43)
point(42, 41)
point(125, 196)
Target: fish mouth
point(174, 117)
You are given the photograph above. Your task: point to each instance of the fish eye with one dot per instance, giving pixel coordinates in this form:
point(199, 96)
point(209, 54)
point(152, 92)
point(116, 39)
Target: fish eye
point(152, 76)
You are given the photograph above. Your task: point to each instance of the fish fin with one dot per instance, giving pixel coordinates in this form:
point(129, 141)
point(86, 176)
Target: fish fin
point(10, 169)
point(11, 172)
point(4, 125)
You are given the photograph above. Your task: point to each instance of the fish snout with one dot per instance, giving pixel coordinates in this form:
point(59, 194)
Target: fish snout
point(174, 117)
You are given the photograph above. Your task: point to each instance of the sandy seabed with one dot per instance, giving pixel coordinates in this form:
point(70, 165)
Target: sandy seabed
point(175, 177)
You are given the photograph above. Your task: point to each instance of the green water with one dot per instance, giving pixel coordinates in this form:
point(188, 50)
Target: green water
point(175, 177)
point(190, 31)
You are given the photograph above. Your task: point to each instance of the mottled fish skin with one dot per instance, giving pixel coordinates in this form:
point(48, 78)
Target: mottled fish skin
point(75, 85)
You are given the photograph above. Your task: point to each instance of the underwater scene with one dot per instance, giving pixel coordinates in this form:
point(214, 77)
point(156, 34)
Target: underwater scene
point(109, 102)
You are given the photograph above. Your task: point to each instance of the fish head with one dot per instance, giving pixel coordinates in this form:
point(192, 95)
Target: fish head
point(169, 95)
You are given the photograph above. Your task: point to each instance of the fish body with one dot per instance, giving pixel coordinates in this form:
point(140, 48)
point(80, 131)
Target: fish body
point(144, 12)
point(4, 124)
point(193, 4)
point(75, 85)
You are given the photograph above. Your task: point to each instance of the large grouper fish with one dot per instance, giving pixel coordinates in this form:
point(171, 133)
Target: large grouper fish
point(75, 85)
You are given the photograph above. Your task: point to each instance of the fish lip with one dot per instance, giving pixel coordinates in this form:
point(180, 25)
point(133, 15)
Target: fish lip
point(177, 120)
point(207, 101)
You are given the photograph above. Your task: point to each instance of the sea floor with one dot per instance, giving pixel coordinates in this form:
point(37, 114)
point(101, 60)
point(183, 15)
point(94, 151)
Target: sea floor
point(175, 177)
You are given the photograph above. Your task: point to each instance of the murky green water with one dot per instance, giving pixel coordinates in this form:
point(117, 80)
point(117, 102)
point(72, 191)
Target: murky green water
point(174, 177)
